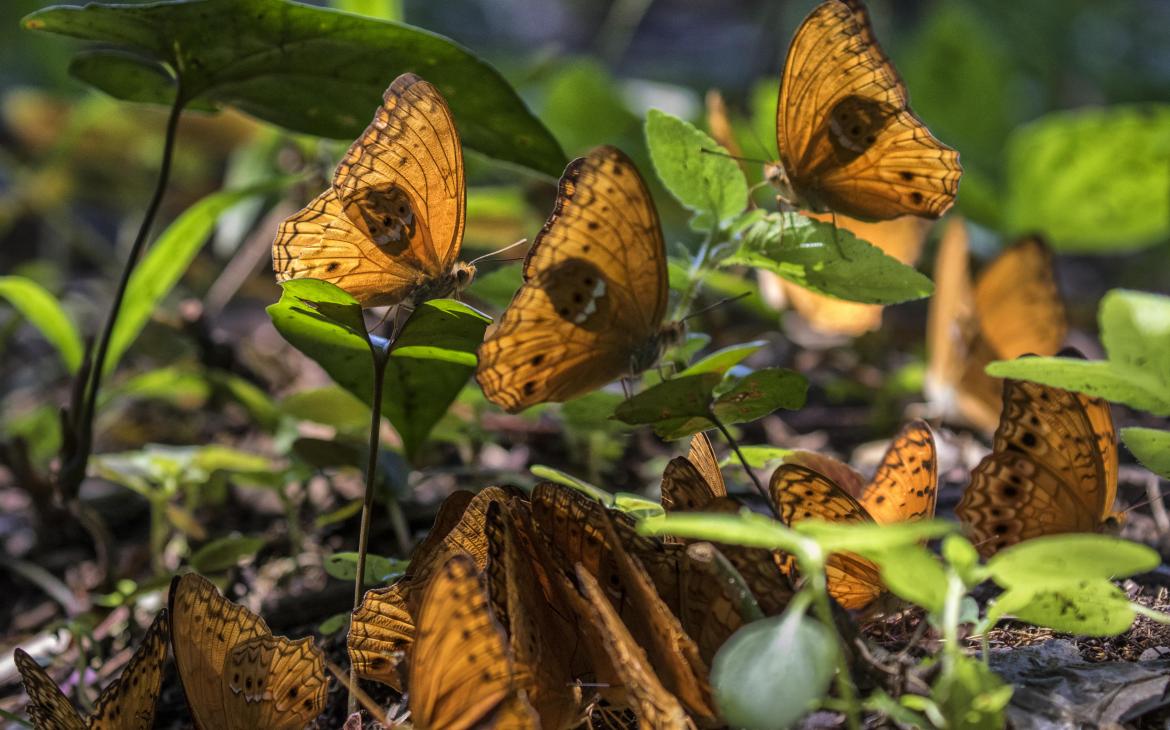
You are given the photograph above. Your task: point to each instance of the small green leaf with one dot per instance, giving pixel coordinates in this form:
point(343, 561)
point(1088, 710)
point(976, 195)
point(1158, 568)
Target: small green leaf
point(772, 672)
point(1135, 329)
point(334, 624)
point(703, 182)
point(827, 260)
point(745, 528)
point(870, 538)
point(312, 70)
point(224, 553)
point(961, 555)
point(760, 393)
point(1118, 157)
point(1085, 607)
point(44, 312)
point(379, 570)
point(681, 397)
point(636, 505)
point(971, 696)
point(331, 405)
point(913, 574)
point(1072, 556)
point(559, 477)
point(168, 259)
point(1151, 447)
point(757, 457)
point(723, 360)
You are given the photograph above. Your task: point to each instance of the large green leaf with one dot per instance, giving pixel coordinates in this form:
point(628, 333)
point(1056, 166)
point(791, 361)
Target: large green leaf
point(1092, 179)
point(706, 183)
point(1135, 329)
point(1065, 558)
point(312, 70)
point(168, 259)
point(827, 260)
point(428, 365)
point(1087, 607)
point(44, 312)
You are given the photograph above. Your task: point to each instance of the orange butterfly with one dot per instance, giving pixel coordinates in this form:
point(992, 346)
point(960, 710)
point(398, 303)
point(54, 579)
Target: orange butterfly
point(235, 673)
point(1052, 469)
point(461, 673)
point(848, 140)
point(1014, 308)
point(903, 489)
point(127, 704)
point(594, 296)
point(389, 228)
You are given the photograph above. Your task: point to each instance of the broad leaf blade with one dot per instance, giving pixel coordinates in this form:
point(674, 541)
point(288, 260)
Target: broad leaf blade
point(44, 312)
point(708, 184)
point(1151, 447)
point(309, 69)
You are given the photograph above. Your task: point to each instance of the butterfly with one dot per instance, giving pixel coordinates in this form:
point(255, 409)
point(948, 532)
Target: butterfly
point(694, 483)
point(903, 489)
point(235, 673)
point(847, 138)
point(594, 296)
point(389, 228)
point(126, 704)
point(382, 628)
point(654, 704)
point(1052, 469)
point(461, 674)
point(1013, 308)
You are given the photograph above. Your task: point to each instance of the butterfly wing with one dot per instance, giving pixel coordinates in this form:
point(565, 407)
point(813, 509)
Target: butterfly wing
point(1018, 304)
point(391, 224)
point(48, 707)
point(799, 494)
point(594, 293)
point(381, 631)
point(273, 682)
point(847, 137)
point(702, 455)
point(1046, 473)
point(905, 486)
point(129, 703)
point(460, 671)
point(205, 627)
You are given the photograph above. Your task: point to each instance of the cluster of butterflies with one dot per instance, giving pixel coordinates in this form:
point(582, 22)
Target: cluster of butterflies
point(236, 675)
point(595, 293)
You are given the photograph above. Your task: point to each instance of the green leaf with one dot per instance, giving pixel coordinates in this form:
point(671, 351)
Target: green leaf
point(682, 397)
point(430, 362)
point(331, 405)
point(309, 69)
point(379, 570)
point(1063, 558)
point(870, 538)
point(772, 672)
point(1092, 180)
point(827, 260)
point(757, 457)
point(324, 454)
point(913, 574)
point(584, 108)
point(1100, 378)
point(428, 365)
point(745, 528)
point(559, 477)
point(224, 553)
point(1086, 607)
point(760, 393)
point(1135, 330)
point(168, 259)
point(334, 624)
point(44, 312)
point(703, 182)
point(723, 360)
point(971, 696)
point(1151, 447)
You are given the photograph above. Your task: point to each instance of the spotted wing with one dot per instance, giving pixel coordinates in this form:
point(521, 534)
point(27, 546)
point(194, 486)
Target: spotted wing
point(48, 707)
point(274, 682)
point(905, 486)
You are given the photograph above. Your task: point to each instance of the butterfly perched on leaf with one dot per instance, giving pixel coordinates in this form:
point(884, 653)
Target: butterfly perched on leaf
point(389, 228)
point(1052, 469)
point(848, 141)
point(904, 489)
point(595, 292)
point(126, 704)
point(235, 673)
point(1013, 308)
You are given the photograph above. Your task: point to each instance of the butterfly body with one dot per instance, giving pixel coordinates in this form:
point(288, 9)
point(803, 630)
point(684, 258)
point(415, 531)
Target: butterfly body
point(595, 292)
point(389, 228)
point(847, 138)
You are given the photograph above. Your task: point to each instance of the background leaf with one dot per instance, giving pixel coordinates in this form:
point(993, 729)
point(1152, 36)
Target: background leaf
point(309, 69)
point(703, 182)
point(1151, 447)
point(44, 312)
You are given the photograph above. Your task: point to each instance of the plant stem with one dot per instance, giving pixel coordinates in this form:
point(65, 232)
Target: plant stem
point(743, 460)
point(74, 471)
point(812, 565)
point(381, 356)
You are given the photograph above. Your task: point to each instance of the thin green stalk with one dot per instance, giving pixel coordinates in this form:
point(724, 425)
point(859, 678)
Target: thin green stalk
point(381, 356)
point(950, 618)
point(73, 471)
point(813, 567)
point(698, 265)
point(743, 460)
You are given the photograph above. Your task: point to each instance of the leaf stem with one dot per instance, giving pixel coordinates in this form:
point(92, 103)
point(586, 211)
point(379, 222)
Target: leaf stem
point(812, 565)
point(74, 469)
point(743, 460)
point(380, 355)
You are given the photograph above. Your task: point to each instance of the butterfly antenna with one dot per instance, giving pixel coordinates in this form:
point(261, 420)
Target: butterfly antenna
point(509, 247)
point(716, 305)
point(729, 156)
